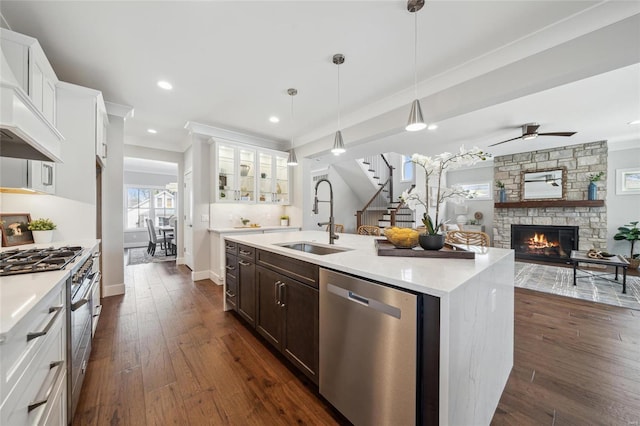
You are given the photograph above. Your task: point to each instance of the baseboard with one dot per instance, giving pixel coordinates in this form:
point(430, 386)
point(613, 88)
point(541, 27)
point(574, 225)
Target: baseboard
point(215, 278)
point(199, 275)
point(113, 290)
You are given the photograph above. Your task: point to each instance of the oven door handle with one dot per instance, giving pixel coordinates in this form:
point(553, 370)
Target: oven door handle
point(85, 297)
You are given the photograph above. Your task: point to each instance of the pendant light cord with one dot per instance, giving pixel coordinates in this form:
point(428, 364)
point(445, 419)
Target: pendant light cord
point(415, 53)
point(292, 122)
point(339, 123)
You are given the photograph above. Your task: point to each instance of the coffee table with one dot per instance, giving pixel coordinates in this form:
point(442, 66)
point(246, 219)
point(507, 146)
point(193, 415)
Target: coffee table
point(617, 261)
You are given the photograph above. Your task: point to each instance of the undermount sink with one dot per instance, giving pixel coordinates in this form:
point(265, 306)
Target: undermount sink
point(312, 248)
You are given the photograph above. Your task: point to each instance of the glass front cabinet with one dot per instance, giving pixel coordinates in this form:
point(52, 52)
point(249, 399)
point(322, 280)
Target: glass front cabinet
point(246, 174)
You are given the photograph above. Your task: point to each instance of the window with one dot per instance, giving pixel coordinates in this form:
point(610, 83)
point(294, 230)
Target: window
point(407, 168)
point(139, 206)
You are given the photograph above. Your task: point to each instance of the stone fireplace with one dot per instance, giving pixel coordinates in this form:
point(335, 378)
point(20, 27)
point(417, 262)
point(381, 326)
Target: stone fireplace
point(575, 211)
point(546, 243)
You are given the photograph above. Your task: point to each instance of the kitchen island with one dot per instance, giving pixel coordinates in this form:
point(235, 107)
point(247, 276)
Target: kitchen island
point(475, 298)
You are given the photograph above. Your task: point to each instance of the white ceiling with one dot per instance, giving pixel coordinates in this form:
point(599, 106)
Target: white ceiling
point(484, 68)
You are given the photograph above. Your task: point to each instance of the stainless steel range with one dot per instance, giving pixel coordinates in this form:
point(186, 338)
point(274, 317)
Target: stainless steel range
point(13, 262)
point(84, 277)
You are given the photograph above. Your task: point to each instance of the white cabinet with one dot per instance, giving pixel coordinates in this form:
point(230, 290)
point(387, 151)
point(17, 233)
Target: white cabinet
point(31, 71)
point(102, 122)
point(273, 180)
point(235, 173)
point(34, 175)
point(33, 365)
point(244, 174)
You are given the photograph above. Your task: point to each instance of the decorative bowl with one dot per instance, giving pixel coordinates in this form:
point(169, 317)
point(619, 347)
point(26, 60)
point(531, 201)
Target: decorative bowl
point(402, 237)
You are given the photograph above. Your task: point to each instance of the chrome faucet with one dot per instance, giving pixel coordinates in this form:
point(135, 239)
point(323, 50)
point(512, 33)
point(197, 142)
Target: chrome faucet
point(331, 223)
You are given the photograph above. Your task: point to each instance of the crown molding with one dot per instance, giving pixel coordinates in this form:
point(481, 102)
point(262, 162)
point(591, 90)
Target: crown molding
point(124, 111)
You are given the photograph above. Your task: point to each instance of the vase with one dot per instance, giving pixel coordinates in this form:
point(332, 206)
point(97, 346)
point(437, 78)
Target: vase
point(431, 242)
point(592, 192)
point(42, 237)
point(503, 195)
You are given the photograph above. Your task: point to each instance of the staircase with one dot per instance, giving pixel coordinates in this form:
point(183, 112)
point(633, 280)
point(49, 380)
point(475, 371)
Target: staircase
point(382, 210)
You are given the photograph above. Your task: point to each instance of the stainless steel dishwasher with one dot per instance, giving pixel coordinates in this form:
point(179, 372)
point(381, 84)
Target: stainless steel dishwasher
point(368, 339)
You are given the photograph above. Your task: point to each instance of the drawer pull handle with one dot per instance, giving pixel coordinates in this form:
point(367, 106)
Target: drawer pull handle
point(245, 252)
point(243, 263)
point(32, 335)
point(231, 268)
point(228, 247)
point(59, 364)
point(230, 294)
point(98, 311)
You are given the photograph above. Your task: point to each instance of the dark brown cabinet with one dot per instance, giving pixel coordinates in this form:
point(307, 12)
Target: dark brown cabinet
point(288, 318)
point(246, 283)
point(231, 276)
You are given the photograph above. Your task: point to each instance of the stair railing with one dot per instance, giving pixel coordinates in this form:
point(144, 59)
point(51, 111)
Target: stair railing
point(360, 213)
point(399, 206)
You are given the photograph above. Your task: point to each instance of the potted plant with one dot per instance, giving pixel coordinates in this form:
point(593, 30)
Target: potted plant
point(630, 233)
point(502, 192)
point(284, 220)
point(42, 230)
point(592, 192)
point(435, 168)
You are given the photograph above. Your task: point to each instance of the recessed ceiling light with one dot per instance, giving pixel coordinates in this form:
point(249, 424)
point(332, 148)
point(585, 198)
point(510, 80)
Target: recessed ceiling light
point(274, 119)
point(165, 85)
point(153, 131)
point(634, 122)
point(432, 126)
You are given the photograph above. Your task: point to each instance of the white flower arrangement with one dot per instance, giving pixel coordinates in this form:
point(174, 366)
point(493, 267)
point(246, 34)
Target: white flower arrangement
point(435, 167)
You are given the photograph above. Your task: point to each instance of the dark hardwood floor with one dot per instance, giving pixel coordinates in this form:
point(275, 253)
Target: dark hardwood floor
point(165, 353)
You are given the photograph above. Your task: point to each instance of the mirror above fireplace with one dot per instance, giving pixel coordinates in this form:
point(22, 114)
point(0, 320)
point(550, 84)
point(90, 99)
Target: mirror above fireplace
point(544, 184)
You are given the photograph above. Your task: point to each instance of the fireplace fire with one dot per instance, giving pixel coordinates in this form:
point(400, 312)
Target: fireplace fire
point(549, 243)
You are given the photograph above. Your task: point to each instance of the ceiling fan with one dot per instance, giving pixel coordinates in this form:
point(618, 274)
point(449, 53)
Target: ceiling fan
point(530, 131)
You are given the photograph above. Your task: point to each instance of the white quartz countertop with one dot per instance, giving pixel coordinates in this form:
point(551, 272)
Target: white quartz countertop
point(244, 229)
point(20, 293)
point(432, 276)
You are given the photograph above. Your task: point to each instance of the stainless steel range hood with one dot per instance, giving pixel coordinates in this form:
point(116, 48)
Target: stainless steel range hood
point(24, 131)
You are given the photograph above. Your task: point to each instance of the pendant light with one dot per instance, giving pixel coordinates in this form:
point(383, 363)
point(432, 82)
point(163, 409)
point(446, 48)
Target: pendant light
point(292, 160)
point(415, 122)
point(338, 143)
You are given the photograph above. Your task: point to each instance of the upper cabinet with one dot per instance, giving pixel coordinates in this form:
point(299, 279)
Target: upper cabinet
point(29, 113)
point(102, 123)
point(246, 174)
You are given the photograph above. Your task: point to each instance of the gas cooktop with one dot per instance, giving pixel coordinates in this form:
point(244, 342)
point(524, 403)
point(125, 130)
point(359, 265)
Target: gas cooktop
point(28, 261)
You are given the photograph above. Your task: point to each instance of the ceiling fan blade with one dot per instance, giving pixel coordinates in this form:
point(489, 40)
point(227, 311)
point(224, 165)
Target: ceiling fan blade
point(508, 140)
point(557, 134)
point(530, 128)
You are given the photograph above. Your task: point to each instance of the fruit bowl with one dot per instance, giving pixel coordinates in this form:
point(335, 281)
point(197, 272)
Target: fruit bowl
point(402, 237)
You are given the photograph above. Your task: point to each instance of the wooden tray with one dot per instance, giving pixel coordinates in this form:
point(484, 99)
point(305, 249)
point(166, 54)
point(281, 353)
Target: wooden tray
point(385, 248)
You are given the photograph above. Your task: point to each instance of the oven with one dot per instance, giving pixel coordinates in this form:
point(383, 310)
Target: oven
point(80, 289)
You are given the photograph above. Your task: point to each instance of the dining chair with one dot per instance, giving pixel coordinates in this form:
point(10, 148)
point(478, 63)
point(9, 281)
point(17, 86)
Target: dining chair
point(368, 230)
point(472, 238)
point(154, 238)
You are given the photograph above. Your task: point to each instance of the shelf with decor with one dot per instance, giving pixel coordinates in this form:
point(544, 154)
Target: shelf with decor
point(246, 174)
point(549, 203)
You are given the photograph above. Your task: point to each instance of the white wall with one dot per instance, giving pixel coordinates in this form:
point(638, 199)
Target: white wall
point(227, 215)
point(621, 209)
point(345, 202)
point(74, 220)
point(148, 179)
point(112, 205)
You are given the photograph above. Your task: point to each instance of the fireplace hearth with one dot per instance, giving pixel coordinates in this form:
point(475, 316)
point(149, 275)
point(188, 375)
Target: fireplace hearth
point(544, 242)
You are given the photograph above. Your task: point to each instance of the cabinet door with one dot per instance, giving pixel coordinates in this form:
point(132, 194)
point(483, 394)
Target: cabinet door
point(269, 314)
point(49, 100)
point(247, 175)
point(300, 333)
point(282, 184)
point(266, 179)
point(247, 291)
point(36, 80)
point(226, 168)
